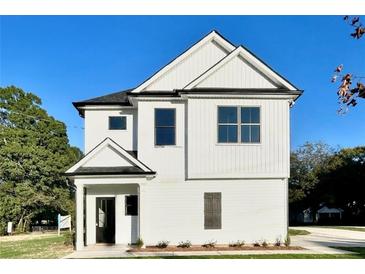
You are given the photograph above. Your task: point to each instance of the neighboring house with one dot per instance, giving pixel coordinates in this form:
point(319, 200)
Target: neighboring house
point(329, 215)
point(199, 151)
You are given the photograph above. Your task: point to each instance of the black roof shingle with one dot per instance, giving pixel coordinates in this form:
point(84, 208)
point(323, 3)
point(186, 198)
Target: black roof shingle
point(121, 170)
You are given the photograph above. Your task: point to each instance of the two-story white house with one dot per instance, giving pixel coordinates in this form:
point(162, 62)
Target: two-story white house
point(199, 151)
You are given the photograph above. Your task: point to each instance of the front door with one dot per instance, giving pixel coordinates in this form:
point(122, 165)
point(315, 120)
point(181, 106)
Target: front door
point(105, 220)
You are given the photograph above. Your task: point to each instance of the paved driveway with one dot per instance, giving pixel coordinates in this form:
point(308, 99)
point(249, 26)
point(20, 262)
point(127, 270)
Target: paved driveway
point(321, 238)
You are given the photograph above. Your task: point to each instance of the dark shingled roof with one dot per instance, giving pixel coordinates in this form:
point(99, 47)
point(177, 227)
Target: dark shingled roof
point(126, 170)
point(116, 98)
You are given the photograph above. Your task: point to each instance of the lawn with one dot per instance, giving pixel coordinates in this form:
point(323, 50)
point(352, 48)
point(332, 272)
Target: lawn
point(295, 232)
point(49, 246)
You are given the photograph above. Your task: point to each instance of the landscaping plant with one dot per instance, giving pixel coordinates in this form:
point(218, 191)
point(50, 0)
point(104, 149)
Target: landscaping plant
point(287, 241)
point(237, 244)
point(210, 244)
point(162, 244)
point(139, 243)
point(184, 244)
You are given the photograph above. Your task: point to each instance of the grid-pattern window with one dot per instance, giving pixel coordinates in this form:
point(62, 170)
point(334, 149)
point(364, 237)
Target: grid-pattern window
point(250, 125)
point(227, 125)
point(117, 122)
point(238, 124)
point(165, 126)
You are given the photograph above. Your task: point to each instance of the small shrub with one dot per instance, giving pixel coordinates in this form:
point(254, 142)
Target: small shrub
point(278, 242)
point(139, 243)
point(264, 243)
point(256, 244)
point(69, 238)
point(163, 244)
point(184, 244)
point(237, 244)
point(287, 241)
point(210, 244)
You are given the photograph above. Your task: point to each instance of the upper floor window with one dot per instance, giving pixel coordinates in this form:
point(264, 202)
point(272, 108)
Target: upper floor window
point(117, 122)
point(238, 124)
point(250, 125)
point(165, 126)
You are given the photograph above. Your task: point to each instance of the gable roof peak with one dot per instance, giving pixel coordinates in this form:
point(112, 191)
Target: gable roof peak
point(251, 58)
point(213, 35)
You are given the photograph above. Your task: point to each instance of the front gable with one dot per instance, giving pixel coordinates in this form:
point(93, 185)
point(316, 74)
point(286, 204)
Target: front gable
point(240, 70)
point(108, 158)
point(189, 65)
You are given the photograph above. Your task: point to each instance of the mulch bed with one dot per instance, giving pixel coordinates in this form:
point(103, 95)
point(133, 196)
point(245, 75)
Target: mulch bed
point(216, 248)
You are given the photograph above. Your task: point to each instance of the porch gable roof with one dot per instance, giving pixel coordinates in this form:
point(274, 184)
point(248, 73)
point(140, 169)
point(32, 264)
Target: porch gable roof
point(114, 160)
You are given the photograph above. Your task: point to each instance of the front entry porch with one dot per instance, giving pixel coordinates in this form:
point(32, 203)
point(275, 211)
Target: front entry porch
point(107, 214)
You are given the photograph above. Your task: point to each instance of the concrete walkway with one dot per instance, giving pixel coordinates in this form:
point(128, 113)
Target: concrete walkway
point(318, 242)
point(320, 239)
point(100, 251)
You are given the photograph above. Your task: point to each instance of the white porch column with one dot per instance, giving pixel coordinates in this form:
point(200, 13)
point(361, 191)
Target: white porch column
point(79, 216)
point(141, 211)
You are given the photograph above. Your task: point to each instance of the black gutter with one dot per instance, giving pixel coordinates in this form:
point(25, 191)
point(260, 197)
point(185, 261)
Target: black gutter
point(241, 91)
point(109, 173)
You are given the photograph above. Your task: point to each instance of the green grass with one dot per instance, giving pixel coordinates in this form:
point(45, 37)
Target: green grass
point(295, 232)
point(42, 247)
point(359, 250)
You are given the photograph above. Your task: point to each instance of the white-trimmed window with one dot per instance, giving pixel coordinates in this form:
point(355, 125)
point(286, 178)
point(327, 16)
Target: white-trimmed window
point(117, 122)
point(165, 126)
point(238, 124)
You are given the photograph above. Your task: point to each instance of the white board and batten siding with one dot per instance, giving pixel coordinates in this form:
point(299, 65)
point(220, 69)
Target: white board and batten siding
point(190, 68)
point(97, 127)
point(252, 178)
point(209, 159)
point(252, 210)
point(236, 74)
point(167, 161)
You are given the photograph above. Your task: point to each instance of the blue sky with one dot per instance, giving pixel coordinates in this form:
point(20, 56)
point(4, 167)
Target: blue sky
point(64, 59)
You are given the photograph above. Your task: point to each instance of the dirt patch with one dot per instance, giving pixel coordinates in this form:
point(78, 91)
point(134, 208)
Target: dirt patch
point(217, 248)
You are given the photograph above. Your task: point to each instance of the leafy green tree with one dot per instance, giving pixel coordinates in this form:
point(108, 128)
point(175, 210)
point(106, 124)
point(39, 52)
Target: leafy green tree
point(342, 183)
point(34, 152)
point(305, 165)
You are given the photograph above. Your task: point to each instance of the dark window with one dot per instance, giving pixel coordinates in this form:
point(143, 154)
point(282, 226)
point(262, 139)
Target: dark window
point(165, 126)
point(131, 205)
point(238, 124)
point(250, 125)
point(227, 124)
point(117, 122)
point(212, 210)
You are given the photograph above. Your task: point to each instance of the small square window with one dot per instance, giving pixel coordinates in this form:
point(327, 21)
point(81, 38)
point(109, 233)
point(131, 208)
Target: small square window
point(131, 205)
point(117, 122)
